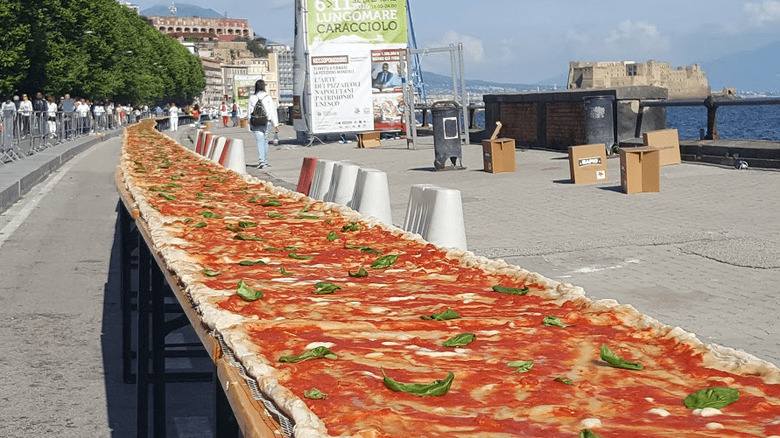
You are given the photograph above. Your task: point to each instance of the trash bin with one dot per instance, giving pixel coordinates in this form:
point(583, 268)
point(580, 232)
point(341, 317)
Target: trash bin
point(600, 121)
point(446, 133)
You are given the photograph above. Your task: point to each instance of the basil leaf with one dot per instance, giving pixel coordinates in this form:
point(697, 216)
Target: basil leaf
point(437, 388)
point(332, 236)
point(586, 433)
point(293, 255)
point(175, 178)
point(272, 203)
point(254, 199)
point(443, 316)
point(210, 273)
point(247, 293)
point(314, 353)
point(510, 290)
point(615, 361)
point(460, 340)
point(553, 321)
point(384, 261)
point(290, 248)
point(325, 287)
point(173, 186)
point(251, 262)
point(272, 249)
point(247, 224)
point(715, 397)
point(307, 208)
point(245, 237)
point(233, 228)
point(199, 195)
point(188, 220)
point(563, 380)
point(360, 273)
point(363, 249)
point(276, 215)
point(210, 215)
point(352, 226)
point(200, 225)
point(521, 366)
point(157, 189)
point(284, 271)
point(307, 216)
point(315, 394)
point(167, 197)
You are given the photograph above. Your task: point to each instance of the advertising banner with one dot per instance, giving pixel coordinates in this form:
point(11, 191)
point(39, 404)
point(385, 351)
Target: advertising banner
point(353, 57)
point(357, 21)
point(341, 92)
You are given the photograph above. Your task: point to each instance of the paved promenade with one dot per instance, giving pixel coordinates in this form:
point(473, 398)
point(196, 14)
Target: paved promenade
point(703, 254)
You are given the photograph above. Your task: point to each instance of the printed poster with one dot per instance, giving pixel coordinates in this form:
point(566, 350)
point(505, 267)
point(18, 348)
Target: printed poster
point(341, 92)
point(356, 21)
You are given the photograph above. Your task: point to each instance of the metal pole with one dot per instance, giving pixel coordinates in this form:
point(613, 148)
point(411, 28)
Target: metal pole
point(464, 94)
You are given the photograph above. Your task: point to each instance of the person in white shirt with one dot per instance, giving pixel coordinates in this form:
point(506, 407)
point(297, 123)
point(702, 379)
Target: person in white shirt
point(26, 112)
point(51, 117)
point(82, 110)
point(173, 114)
point(261, 132)
point(100, 115)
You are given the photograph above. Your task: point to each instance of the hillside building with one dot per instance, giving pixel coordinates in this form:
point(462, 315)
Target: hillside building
point(683, 83)
point(209, 29)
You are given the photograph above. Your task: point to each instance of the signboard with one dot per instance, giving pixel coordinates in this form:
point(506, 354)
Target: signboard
point(357, 21)
point(352, 77)
point(243, 87)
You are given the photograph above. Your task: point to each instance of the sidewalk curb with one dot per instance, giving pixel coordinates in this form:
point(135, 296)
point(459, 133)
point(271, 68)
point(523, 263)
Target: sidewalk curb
point(18, 178)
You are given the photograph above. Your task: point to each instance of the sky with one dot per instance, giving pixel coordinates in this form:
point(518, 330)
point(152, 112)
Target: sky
point(533, 41)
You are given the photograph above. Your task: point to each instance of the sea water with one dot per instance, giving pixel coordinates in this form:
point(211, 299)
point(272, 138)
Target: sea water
point(758, 122)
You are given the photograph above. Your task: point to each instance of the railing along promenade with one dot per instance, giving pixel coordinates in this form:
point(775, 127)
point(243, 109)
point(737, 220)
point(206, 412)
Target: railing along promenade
point(24, 135)
point(712, 103)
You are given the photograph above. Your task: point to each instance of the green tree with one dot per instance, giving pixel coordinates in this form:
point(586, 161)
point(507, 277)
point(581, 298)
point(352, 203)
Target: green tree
point(13, 61)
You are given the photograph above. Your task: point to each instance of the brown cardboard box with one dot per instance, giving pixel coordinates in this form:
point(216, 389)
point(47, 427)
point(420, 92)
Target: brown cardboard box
point(499, 155)
point(667, 141)
point(370, 139)
point(640, 169)
point(588, 163)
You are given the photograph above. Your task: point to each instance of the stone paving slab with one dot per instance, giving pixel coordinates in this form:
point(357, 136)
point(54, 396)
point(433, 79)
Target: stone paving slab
point(703, 254)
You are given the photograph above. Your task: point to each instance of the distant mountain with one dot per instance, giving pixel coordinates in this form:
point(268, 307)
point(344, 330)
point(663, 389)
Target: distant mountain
point(436, 83)
point(754, 70)
point(182, 10)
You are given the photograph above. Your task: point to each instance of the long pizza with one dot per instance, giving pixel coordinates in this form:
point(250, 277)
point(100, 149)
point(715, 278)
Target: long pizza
point(356, 328)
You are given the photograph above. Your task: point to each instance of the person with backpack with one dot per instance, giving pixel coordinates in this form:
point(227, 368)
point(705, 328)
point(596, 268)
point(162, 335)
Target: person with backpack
point(262, 116)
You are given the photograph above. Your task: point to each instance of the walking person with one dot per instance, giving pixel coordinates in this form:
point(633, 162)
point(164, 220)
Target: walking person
point(9, 118)
point(261, 131)
point(223, 111)
point(173, 114)
point(234, 114)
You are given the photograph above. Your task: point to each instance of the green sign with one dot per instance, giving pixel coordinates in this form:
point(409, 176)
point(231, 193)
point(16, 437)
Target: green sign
point(357, 21)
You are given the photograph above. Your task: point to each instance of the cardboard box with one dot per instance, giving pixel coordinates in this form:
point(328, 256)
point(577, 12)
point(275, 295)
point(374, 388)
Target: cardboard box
point(668, 141)
point(588, 163)
point(370, 139)
point(640, 169)
point(499, 155)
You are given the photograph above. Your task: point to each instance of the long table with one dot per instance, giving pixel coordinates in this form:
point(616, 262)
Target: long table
point(237, 405)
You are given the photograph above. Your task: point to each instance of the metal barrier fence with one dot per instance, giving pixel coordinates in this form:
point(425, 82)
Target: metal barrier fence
point(25, 134)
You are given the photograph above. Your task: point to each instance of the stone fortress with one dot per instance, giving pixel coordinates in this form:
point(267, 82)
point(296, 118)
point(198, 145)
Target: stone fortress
point(687, 82)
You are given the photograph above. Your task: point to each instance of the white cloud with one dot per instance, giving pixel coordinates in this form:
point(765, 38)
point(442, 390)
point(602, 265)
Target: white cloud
point(473, 53)
point(629, 40)
point(764, 12)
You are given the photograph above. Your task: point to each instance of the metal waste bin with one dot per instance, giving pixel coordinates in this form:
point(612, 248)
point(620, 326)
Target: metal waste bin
point(446, 133)
point(600, 121)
